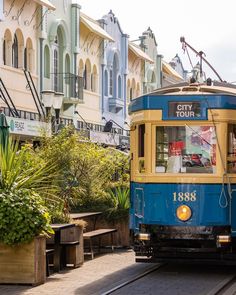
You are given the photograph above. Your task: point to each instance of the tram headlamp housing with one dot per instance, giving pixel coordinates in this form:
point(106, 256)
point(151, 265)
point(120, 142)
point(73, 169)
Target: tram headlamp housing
point(183, 213)
point(143, 236)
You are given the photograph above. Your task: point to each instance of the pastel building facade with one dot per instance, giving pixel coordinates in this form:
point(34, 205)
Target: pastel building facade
point(68, 68)
point(114, 72)
point(59, 47)
point(19, 23)
point(93, 40)
point(152, 75)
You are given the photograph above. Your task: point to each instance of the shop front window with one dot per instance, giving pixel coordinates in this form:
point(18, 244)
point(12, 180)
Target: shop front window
point(185, 149)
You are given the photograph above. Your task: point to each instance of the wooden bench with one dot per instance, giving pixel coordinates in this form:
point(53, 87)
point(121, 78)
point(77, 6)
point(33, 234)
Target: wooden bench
point(98, 233)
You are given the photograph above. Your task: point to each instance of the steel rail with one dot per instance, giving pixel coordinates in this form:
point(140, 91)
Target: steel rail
point(223, 286)
point(136, 278)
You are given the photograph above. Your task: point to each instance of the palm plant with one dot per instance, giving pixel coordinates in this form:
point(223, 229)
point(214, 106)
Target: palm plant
point(120, 203)
point(23, 214)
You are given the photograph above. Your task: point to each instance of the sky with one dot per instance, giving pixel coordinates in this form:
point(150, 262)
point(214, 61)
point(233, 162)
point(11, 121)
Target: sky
point(207, 25)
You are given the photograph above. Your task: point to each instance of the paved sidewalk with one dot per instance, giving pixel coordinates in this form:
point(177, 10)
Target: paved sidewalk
point(93, 278)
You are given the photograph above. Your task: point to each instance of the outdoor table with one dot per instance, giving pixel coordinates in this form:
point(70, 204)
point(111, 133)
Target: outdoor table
point(57, 240)
point(82, 215)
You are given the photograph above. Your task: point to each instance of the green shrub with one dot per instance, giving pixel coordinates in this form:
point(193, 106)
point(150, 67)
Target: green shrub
point(87, 170)
point(22, 217)
point(119, 204)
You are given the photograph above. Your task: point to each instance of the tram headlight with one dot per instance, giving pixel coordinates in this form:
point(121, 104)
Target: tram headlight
point(183, 212)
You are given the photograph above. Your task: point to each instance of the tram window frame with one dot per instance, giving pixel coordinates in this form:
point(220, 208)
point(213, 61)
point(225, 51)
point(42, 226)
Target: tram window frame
point(141, 141)
point(177, 146)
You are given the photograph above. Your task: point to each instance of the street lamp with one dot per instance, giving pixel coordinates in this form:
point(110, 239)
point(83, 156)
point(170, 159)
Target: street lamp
point(47, 100)
point(57, 104)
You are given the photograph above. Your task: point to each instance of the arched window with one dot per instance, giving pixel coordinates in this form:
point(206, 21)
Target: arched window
point(94, 79)
point(92, 82)
point(137, 90)
point(58, 61)
point(18, 50)
point(132, 89)
point(29, 56)
point(46, 62)
point(80, 92)
point(81, 68)
point(25, 59)
point(7, 48)
point(111, 83)
point(106, 83)
point(85, 77)
point(55, 69)
point(68, 79)
point(4, 52)
point(15, 52)
point(131, 93)
point(119, 87)
point(113, 77)
point(67, 64)
point(128, 91)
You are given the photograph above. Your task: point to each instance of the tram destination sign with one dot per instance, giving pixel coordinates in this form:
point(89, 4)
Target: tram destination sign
point(184, 109)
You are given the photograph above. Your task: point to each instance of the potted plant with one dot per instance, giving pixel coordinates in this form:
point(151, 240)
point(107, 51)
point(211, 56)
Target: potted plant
point(117, 216)
point(24, 219)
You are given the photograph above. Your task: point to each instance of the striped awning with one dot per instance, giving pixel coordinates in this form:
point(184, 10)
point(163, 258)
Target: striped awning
point(46, 3)
point(138, 51)
point(93, 26)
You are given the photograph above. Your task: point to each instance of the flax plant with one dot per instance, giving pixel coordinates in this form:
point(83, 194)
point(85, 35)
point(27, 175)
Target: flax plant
point(23, 187)
point(120, 203)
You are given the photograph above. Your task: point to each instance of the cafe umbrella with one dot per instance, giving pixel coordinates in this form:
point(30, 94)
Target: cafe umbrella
point(4, 131)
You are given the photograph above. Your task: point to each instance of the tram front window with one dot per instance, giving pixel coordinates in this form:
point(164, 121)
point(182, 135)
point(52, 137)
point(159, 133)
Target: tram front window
point(185, 149)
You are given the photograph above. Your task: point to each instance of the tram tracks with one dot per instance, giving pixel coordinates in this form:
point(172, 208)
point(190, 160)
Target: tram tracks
point(136, 278)
point(225, 286)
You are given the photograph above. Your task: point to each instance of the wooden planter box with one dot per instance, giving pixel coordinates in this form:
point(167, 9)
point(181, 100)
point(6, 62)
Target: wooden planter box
point(24, 263)
point(74, 254)
point(121, 238)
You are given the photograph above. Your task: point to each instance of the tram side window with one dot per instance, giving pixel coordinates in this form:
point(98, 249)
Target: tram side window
point(141, 149)
point(141, 132)
point(185, 149)
point(231, 161)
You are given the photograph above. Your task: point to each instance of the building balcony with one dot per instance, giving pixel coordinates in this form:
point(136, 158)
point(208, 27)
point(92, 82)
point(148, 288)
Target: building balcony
point(115, 104)
point(69, 84)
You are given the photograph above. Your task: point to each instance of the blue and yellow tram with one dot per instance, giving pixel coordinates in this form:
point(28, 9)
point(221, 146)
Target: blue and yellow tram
point(183, 173)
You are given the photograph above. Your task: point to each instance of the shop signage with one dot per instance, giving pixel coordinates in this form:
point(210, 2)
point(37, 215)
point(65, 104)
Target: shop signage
point(104, 137)
point(184, 109)
point(27, 127)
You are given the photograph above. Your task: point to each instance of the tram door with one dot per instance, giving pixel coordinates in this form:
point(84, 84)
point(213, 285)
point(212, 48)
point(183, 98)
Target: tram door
point(139, 206)
point(231, 167)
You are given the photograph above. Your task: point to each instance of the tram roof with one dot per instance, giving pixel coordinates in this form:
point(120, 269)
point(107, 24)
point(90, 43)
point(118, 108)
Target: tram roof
point(220, 95)
point(196, 88)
